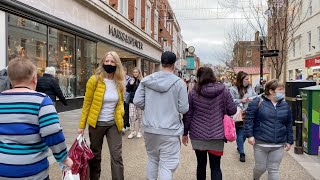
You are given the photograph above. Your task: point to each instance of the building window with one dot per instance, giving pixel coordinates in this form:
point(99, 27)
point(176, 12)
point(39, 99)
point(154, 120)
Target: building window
point(148, 18)
point(123, 8)
point(319, 37)
point(86, 63)
point(310, 7)
point(156, 24)
point(309, 41)
point(62, 57)
point(249, 52)
point(291, 75)
point(23, 40)
point(137, 17)
point(294, 48)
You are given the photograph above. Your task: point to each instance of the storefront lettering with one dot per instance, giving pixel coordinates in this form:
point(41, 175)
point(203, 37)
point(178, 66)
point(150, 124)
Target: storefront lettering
point(317, 61)
point(124, 37)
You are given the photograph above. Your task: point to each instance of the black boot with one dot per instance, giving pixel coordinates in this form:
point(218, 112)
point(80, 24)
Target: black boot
point(242, 157)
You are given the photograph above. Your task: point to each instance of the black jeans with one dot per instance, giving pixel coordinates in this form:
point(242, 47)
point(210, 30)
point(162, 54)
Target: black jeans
point(214, 160)
point(126, 115)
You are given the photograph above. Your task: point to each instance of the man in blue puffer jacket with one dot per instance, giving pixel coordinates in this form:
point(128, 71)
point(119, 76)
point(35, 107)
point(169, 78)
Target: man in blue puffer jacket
point(268, 127)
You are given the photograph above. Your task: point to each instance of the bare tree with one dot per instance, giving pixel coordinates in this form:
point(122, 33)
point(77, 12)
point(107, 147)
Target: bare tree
point(277, 20)
point(238, 32)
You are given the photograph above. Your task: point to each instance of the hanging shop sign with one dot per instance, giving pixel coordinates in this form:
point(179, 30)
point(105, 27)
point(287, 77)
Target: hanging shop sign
point(190, 63)
point(117, 33)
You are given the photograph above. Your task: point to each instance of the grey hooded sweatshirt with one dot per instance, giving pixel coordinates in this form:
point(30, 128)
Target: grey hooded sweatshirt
point(163, 96)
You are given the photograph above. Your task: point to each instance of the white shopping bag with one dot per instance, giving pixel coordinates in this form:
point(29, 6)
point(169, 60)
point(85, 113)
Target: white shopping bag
point(238, 116)
point(67, 175)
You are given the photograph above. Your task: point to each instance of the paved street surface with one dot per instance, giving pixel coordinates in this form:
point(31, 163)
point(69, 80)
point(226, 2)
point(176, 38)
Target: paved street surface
point(135, 157)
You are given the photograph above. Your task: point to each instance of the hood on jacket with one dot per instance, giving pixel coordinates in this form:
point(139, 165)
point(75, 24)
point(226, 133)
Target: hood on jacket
point(212, 90)
point(160, 81)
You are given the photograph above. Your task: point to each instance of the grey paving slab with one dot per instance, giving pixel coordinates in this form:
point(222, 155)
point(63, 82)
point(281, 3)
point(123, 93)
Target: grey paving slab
point(134, 157)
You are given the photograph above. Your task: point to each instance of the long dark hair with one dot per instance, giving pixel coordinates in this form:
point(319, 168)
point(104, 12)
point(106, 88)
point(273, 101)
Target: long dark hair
point(205, 76)
point(239, 84)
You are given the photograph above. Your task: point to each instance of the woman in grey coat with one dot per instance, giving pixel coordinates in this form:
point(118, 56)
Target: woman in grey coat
point(242, 93)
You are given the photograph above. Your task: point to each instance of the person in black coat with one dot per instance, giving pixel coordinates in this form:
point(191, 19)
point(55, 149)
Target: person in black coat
point(48, 84)
point(135, 113)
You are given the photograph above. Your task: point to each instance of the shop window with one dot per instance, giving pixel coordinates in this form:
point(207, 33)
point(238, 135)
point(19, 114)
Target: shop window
point(291, 75)
point(298, 75)
point(62, 57)
point(129, 64)
point(23, 40)
point(86, 63)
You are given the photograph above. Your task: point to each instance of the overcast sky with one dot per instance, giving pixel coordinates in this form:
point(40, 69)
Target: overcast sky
point(207, 36)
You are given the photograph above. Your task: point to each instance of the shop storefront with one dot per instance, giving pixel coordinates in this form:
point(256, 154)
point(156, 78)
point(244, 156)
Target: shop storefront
point(313, 67)
point(72, 43)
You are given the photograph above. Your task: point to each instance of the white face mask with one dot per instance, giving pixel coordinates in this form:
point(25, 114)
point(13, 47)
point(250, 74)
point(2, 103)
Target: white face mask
point(245, 84)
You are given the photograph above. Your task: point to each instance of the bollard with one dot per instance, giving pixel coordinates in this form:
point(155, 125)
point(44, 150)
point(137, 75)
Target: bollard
point(298, 149)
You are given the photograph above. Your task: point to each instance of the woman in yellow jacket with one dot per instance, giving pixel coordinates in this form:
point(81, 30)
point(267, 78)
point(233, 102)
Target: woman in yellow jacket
point(103, 110)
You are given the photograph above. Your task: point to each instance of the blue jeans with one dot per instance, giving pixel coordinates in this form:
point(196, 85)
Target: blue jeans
point(240, 139)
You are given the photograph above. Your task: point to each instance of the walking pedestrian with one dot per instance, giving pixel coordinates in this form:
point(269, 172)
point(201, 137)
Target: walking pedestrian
point(49, 85)
point(126, 125)
point(103, 110)
point(163, 96)
point(242, 93)
point(134, 112)
point(268, 127)
point(29, 124)
point(209, 101)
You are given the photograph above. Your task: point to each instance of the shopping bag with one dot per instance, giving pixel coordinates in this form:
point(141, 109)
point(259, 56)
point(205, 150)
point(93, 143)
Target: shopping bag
point(239, 115)
point(67, 175)
point(80, 153)
point(229, 129)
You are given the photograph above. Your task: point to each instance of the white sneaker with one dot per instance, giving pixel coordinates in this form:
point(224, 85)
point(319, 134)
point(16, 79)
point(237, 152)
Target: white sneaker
point(139, 135)
point(132, 134)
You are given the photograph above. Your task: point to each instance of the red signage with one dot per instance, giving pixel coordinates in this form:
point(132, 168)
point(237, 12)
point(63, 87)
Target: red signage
point(313, 62)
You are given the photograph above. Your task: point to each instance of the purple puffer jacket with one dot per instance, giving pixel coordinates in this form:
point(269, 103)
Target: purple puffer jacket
point(204, 120)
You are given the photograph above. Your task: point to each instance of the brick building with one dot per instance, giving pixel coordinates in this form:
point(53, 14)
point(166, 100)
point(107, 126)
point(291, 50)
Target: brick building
point(247, 53)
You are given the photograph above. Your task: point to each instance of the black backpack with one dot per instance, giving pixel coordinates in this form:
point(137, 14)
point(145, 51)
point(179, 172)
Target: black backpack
point(4, 80)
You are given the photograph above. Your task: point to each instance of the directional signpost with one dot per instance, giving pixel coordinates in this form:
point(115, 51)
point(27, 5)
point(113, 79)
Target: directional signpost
point(265, 53)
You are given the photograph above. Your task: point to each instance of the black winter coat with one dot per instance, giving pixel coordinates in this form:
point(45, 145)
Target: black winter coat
point(131, 89)
point(48, 84)
point(268, 123)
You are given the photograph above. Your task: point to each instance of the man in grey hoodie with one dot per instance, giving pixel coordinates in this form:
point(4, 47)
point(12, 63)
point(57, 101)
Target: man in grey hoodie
point(163, 96)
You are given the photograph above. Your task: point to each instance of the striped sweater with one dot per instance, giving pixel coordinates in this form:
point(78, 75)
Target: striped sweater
point(29, 125)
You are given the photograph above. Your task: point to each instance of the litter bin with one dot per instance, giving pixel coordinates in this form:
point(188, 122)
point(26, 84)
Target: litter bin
point(311, 119)
point(292, 90)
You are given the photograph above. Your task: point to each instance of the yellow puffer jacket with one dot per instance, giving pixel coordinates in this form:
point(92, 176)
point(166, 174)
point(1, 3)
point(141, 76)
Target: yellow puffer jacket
point(92, 103)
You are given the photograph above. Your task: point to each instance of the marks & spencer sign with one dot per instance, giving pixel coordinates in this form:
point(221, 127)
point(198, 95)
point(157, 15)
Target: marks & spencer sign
point(117, 33)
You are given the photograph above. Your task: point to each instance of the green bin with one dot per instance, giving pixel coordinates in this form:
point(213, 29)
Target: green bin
point(311, 119)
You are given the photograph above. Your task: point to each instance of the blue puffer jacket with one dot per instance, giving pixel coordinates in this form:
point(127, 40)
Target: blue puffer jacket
point(268, 123)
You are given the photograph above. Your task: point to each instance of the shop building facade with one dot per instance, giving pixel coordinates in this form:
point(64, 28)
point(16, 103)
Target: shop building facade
point(303, 58)
point(73, 36)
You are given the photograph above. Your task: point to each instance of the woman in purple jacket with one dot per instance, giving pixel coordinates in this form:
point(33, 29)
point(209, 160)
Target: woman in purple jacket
point(208, 102)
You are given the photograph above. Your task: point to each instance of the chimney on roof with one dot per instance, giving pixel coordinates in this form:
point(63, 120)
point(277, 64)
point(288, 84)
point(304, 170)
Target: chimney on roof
point(256, 36)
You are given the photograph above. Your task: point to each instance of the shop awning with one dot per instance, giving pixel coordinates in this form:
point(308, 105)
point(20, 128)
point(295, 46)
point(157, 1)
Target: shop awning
point(251, 70)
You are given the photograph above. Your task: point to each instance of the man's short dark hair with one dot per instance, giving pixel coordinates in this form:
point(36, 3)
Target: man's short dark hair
point(168, 58)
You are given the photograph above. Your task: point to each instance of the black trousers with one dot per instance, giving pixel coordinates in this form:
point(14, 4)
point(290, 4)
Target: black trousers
point(126, 115)
point(214, 160)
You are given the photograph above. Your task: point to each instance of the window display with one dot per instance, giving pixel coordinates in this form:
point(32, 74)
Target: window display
point(61, 56)
point(28, 39)
point(86, 63)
